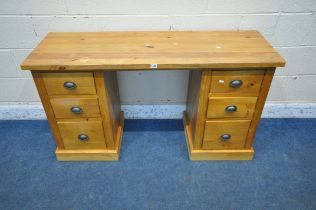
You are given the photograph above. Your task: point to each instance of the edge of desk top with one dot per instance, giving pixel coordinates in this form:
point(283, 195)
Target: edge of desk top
point(152, 50)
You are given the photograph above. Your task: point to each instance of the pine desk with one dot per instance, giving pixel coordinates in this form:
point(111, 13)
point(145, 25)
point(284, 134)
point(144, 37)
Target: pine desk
point(230, 76)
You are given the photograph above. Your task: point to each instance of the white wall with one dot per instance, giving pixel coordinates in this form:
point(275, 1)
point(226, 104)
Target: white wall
point(290, 26)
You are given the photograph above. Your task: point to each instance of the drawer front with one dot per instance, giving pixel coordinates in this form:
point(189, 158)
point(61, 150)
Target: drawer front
point(69, 83)
point(233, 107)
point(82, 134)
point(236, 83)
point(225, 134)
point(78, 107)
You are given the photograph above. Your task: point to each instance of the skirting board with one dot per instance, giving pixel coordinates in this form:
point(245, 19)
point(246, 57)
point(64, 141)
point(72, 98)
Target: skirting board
point(271, 110)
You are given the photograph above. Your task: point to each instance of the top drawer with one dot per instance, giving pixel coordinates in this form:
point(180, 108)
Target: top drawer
point(69, 83)
point(232, 83)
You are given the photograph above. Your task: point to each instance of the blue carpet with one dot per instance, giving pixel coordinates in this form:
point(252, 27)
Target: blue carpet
point(154, 171)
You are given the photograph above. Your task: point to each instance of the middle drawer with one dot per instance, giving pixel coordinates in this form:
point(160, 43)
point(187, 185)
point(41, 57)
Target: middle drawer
point(232, 107)
point(75, 107)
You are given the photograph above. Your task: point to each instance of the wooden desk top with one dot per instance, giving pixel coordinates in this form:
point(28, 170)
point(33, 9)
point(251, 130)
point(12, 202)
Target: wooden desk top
point(142, 50)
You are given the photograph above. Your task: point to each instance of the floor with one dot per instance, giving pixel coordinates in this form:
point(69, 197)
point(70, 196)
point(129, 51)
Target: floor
point(154, 171)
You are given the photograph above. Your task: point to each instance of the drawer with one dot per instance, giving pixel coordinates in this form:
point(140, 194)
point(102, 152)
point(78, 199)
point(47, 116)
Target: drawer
point(75, 107)
point(82, 134)
point(69, 83)
point(236, 83)
point(225, 134)
point(234, 107)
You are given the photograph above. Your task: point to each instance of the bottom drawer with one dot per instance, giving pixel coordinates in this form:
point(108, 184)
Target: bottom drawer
point(82, 134)
point(225, 134)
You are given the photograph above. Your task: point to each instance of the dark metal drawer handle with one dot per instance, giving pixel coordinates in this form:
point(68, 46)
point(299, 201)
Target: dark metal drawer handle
point(70, 85)
point(225, 137)
point(236, 83)
point(76, 110)
point(83, 137)
point(231, 108)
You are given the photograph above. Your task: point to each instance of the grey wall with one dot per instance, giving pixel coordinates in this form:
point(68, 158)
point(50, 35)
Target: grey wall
point(158, 87)
point(290, 26)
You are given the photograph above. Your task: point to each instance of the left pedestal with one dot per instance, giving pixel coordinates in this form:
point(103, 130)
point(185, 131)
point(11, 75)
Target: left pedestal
point(84, 113)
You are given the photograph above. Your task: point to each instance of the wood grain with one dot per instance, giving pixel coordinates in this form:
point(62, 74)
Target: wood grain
point(199, 154)
point(238, 130)
point(193, 99)
point(94, 154)
point(250, 87)
point(71, 129)
point(199, 84)
point(264, 90)
point(87, 155)
point(54, 83)
point(107, 91)
point(217, 107)
point(112, 88)
point(202, 108)
point(40, 85)
point(138, 50)
point(62, 106)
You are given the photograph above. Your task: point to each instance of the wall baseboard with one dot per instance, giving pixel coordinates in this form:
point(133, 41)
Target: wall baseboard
point(271, 110)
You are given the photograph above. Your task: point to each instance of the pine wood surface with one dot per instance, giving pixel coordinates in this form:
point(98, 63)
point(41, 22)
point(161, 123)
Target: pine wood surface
point(223, 154)
point(94, 154)
point(157, 50)
point(71, 129)
point(238, 130)
point(54, 83)
point(217, 107)
point(88, 104)
point(251, 83)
